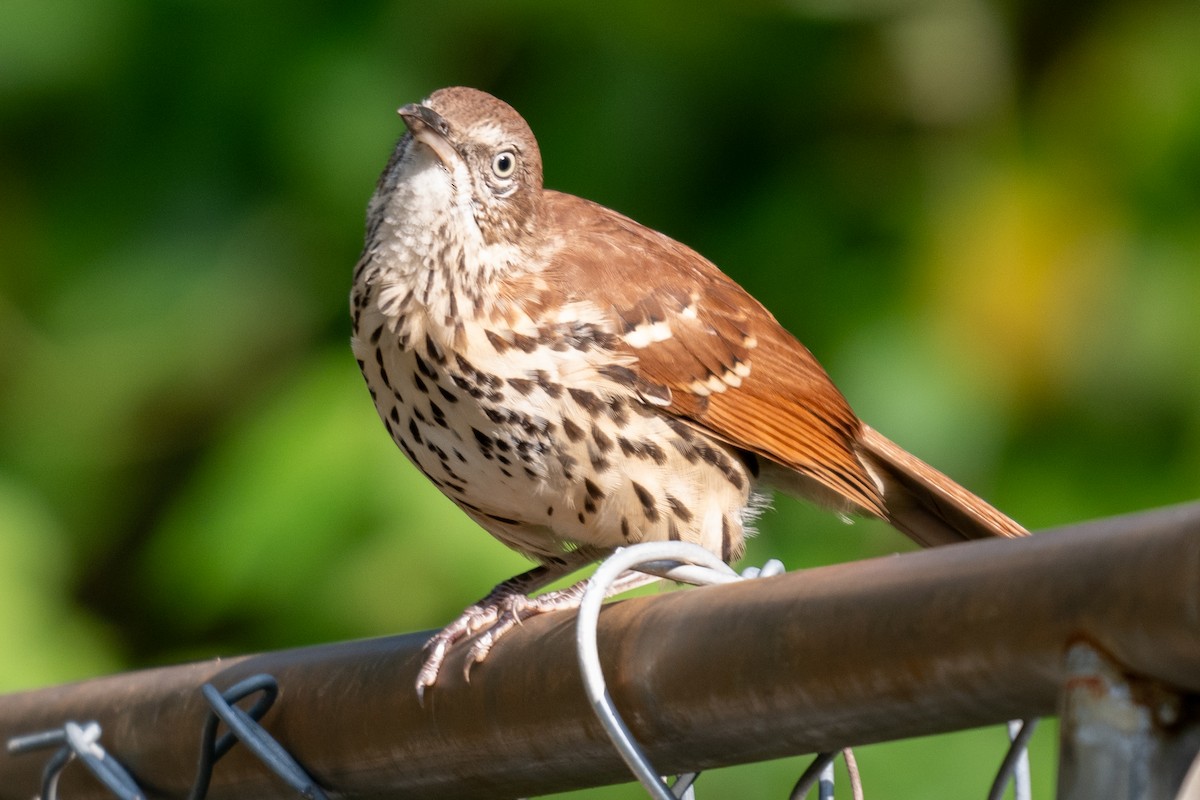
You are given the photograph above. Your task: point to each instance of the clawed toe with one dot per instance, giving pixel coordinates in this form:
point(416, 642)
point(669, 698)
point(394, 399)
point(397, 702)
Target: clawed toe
point(505, 607)
point(495, 616)
point(487, 640)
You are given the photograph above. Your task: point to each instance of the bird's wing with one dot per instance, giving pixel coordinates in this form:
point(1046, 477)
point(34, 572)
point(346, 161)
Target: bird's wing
point(718, 358)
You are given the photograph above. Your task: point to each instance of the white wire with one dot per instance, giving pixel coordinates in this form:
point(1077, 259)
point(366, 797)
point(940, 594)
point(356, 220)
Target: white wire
point(1016, 762)
point(1022, 781)
point(684, 559)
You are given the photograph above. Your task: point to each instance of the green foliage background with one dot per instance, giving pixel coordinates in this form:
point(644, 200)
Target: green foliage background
point(983, 218)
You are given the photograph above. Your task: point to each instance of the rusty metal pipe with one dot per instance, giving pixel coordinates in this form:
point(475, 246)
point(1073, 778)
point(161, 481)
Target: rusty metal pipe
point(922, 643)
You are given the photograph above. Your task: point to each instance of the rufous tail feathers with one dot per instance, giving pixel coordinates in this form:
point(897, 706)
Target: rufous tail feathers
point(923, 503)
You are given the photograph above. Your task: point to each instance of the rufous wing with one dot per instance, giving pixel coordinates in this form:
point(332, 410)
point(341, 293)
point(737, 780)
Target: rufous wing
point(727, 366)
point(706, 351)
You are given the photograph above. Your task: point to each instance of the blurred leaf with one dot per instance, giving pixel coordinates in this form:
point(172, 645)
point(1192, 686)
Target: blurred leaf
point(49, 46)
point(50, 640)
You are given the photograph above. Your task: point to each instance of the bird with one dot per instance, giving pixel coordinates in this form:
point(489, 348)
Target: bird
point(577, 382)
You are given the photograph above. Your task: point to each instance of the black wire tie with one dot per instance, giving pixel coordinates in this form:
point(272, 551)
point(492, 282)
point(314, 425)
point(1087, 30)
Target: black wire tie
point(243, 726)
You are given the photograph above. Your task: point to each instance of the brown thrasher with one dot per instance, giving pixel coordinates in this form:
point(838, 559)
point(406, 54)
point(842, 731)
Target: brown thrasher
point(575, 381)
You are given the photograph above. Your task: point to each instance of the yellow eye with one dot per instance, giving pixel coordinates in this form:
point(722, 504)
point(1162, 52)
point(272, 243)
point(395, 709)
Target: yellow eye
point(504, 164)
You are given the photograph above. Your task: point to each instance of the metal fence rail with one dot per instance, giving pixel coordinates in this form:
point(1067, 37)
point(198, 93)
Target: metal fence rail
point(922, 643)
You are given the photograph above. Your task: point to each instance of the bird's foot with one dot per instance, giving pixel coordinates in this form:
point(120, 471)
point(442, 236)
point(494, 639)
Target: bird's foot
point(495, 615)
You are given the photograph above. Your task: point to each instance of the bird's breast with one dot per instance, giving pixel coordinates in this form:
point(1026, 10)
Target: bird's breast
point(528, 432)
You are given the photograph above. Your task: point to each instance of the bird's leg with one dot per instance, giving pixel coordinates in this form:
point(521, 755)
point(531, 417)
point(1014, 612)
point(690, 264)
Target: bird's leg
point(508, 605)
point(519, 607)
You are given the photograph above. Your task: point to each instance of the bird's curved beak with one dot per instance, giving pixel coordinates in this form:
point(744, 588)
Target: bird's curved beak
point(428, 128)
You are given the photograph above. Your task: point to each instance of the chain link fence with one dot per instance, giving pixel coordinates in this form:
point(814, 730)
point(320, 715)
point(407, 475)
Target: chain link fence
point(1097, 623)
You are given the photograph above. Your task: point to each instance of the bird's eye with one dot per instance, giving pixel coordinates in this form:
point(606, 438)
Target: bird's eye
point(504, 164)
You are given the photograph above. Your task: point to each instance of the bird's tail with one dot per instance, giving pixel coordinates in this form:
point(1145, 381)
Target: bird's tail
point(923, 503)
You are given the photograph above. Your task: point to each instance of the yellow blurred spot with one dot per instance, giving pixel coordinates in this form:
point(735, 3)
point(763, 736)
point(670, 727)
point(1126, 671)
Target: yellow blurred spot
point(1021, 273)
